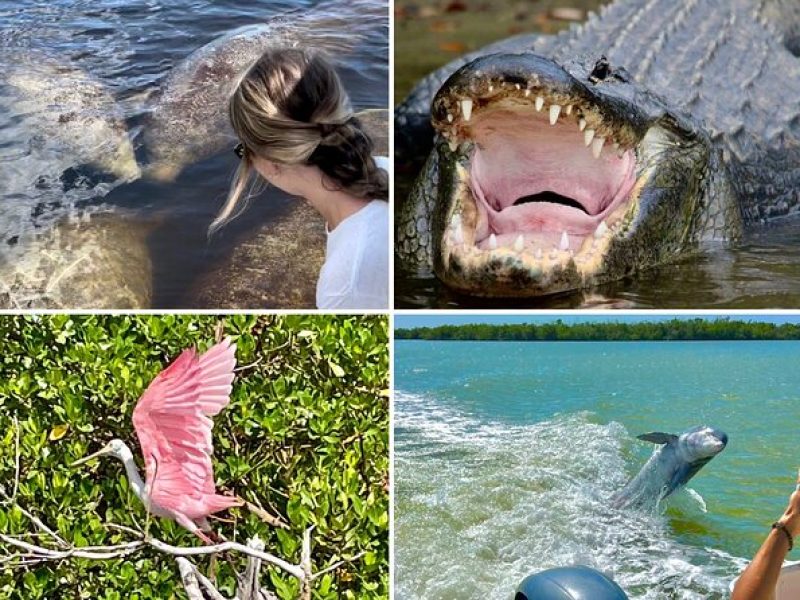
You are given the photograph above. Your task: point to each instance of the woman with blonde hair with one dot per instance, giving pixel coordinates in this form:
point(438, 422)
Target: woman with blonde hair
point(297, 131)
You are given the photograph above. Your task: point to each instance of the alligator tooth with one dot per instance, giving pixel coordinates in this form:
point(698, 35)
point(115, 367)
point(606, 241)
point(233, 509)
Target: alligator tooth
point(555, 110)
point(601, 230)
point(568, 110)
point(453, 145)
point(519, 243)
point(466, 109)
point(493, 242)
point(581, 124)
point(539, 253)
point(597, 146)
point(518, 86)
point(527, 93)
point(539, 103)
point(491, 89)
point(449, 117)
point(588, 136)
point(564, 241)
point(616, 145)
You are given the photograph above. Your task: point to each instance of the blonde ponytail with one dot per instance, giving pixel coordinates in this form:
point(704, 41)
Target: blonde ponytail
point(291, 108)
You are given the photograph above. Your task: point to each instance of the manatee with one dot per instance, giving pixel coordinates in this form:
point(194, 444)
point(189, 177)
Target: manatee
point(277, 266)
point(88, 262)
point(188, 117)
point(68, 112)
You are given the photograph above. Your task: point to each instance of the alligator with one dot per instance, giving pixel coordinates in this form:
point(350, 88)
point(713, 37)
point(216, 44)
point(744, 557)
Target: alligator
point(556, 162)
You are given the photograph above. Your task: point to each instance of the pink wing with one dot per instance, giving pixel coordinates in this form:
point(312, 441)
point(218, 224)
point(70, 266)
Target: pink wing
point(172, 420)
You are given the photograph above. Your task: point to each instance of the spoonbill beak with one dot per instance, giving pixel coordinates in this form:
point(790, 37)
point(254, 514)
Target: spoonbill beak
point(102, 452)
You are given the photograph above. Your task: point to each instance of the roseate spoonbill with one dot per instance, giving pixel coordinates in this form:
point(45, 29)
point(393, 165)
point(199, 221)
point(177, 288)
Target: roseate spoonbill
point(172, 420)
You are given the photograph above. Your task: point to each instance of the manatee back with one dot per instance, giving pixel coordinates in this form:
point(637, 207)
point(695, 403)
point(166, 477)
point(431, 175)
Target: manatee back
point(188, 117)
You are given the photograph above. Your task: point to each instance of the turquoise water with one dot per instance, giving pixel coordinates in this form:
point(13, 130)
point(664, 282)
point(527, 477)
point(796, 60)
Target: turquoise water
point(507, 452)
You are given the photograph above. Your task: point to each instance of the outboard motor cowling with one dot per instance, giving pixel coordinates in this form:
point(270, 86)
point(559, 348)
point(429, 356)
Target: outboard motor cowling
point(569, 583)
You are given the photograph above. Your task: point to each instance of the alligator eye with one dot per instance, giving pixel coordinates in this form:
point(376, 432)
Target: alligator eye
point(601, 70)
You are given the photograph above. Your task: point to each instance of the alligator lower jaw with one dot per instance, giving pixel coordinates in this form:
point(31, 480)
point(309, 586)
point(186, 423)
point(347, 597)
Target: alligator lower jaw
point(547, 189)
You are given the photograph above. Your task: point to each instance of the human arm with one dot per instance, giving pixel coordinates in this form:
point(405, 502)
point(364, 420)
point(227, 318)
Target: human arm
point(759, 579)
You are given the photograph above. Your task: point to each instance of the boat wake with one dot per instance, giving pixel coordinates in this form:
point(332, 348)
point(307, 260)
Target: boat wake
point(480, 505)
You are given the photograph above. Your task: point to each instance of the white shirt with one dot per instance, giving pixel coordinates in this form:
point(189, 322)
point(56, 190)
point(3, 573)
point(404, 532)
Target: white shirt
point(356, 270)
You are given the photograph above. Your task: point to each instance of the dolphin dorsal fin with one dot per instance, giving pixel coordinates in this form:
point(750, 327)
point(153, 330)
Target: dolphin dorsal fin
point(658, 437)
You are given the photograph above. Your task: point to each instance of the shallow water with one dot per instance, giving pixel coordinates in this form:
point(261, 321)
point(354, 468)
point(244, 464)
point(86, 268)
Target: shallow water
point(130, 47)
point(507, 452)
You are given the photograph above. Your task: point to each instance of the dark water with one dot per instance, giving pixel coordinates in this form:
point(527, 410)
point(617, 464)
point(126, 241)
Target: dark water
point(130, 46)
point(762, 272)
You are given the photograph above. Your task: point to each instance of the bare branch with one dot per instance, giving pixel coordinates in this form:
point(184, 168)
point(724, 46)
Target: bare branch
point(305, 562)
point(293, 570)
point(250, 366)
point(248, 582)
point(208, 586)
point(197, 586)
point(125, 529)
point(119, 550)
point(192, 580)
point(35, 520)
point(96, 553)
point(189, 579)
point(336, 565)
point(265, 516)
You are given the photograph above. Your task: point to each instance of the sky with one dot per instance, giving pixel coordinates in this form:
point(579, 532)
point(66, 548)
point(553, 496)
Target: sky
point(409, 321)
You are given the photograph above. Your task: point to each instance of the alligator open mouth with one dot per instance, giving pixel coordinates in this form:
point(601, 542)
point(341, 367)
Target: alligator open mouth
point(544, 181)
point(548, 176)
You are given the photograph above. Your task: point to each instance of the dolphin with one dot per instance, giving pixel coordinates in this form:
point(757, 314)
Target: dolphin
point(677, 459)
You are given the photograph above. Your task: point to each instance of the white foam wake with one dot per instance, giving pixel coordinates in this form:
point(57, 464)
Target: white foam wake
point(482, 504)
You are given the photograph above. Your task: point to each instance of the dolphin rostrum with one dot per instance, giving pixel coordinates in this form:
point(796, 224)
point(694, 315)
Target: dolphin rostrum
point(677, 459)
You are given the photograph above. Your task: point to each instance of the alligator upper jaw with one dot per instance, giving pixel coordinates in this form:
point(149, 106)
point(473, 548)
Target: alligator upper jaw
point(550, 180)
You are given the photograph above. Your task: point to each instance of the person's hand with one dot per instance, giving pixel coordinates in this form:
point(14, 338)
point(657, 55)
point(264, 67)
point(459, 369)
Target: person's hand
point(791, 516)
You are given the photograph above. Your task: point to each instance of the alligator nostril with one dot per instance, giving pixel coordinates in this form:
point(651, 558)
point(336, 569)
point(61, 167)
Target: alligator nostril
point(601, 70)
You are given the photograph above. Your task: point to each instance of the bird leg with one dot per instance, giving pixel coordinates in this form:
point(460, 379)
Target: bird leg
point(187, 523)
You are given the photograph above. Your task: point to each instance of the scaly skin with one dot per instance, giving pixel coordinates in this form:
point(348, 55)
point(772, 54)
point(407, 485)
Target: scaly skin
point(725, 69)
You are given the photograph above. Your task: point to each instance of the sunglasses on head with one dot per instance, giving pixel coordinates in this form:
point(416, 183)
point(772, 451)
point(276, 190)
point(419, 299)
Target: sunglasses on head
point(239, 150)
